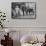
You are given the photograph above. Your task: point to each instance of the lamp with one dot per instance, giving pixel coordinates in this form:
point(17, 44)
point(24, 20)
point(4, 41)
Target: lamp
point(7, 31)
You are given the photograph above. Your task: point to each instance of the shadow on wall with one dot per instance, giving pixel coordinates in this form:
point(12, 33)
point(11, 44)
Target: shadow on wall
point(16, 43)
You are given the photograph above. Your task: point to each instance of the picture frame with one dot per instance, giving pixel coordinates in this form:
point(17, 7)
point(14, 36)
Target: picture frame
point(23, 10)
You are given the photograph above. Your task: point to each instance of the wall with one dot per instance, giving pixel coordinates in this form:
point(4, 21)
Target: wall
point(5, 6)
point(23, 25)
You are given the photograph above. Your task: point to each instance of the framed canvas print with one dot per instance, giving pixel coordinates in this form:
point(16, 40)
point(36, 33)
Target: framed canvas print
point(23, 10)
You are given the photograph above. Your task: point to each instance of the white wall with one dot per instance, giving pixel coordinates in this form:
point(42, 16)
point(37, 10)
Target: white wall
point(23, 25)
point(40, 21)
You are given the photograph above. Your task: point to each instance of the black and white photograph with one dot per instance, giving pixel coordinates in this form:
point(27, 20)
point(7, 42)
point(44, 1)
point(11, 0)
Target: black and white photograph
point(23, 10)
